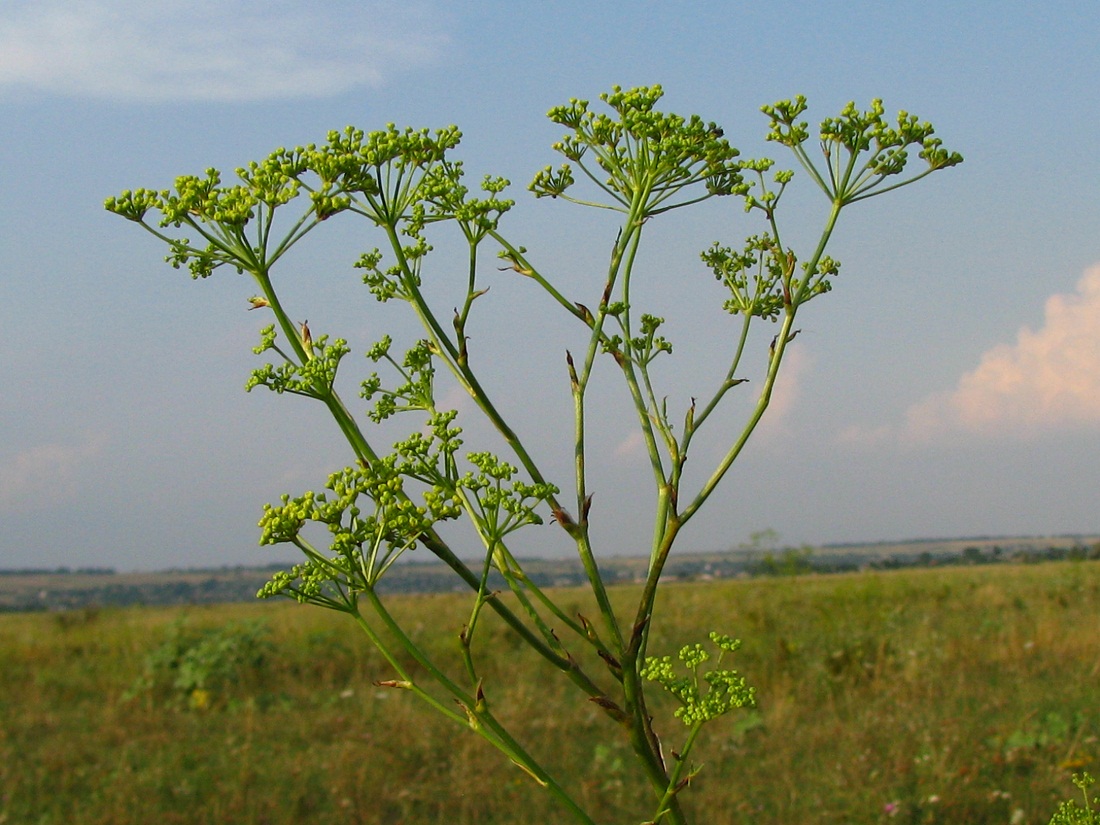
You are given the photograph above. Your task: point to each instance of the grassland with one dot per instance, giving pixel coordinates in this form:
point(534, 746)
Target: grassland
point(962, 695)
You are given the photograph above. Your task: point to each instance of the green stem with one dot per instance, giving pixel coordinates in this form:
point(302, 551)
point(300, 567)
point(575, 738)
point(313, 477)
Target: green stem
point(478, 716)
point(395, 663)
point(726, 385)
point(781, 341)
point(521, 265)
point(663, 806)
point(643, 738)
point(456, 362)
point(621, 260)
point(579, 531)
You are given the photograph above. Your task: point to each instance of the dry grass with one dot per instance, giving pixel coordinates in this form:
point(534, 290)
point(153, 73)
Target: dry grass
point(925, 696)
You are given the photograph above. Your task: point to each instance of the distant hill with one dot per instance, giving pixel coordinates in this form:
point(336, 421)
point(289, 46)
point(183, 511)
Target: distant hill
point(65, 589)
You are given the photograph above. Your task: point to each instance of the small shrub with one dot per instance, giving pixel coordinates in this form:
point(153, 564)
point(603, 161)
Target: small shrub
point(193, 666)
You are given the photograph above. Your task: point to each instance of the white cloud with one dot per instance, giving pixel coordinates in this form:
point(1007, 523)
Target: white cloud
point(785, 394)
point(45, 473)
point(208, 50)
point(1048, 379)
point(632, 445)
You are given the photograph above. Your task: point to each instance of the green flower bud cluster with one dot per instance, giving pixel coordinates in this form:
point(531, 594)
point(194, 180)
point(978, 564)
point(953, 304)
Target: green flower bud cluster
point(268, 181)
point(364, 540)
point(853, 133)
point(357, 169)
point(503, 508)
point(268, 336)
point(644, 153)
point(384, 176)
point(402, 279)
point(224, 210)
point(331, 583)
point(726, 689)
point(819, 279)
point(857, 131)
point(200, 263)
point(550, 182)
point(194, 197)
point(383, 284)
point(1070, 813)
point(362, 544)
point(429, 457)
point(765, 198)
point(416, 393)
point(383, 171)
point(616, 308)
point(133, 205)
point(500, 504)
point(649, 344)
point(449, 199)
point(754, 276)
point(313, 378)
point(785, 126)
point(198, 201)
point(396, 517)
point(206, 198)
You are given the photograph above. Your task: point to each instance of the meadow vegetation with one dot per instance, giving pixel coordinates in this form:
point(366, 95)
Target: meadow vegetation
point(962, 695)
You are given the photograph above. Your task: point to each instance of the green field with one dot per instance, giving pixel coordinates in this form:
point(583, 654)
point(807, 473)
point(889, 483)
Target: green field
point(959, 695)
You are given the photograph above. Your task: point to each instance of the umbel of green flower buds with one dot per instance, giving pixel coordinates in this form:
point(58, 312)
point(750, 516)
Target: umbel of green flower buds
point(862, 151)
point(725, 689)
point(642, 156)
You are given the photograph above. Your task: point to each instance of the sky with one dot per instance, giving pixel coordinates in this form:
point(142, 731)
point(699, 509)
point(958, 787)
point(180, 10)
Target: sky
point(949, 386)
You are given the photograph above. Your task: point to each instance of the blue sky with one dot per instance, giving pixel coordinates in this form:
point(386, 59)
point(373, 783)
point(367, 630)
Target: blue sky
point(948, 386)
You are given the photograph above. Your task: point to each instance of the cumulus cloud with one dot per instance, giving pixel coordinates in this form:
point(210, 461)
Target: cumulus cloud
point(209, 50)
point(47, 471)
point(785, 394)
point(632, 445)
point(1048, 379)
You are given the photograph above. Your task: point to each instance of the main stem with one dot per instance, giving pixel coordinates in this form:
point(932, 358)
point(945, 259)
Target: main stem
point(643, 740)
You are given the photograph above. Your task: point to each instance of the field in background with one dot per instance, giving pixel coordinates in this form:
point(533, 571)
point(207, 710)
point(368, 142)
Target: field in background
point(943, 695)
point(64, 589)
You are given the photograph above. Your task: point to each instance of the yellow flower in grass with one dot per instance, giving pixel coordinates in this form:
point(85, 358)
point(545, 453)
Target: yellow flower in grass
point(199, 699)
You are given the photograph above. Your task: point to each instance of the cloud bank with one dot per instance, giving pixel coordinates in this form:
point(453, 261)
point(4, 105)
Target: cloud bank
point(45, 474)
point(1048, 379)
point(210, 51)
